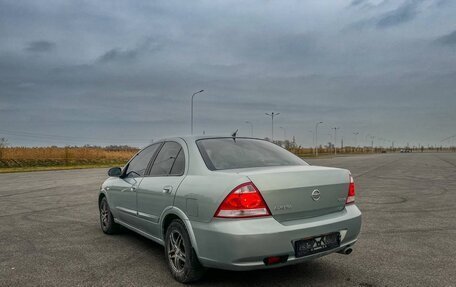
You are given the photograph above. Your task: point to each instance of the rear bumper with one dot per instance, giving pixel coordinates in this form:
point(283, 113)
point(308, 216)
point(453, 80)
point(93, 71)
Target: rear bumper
point(244, 244)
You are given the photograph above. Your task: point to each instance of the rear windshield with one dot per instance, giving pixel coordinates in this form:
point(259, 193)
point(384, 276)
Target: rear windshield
point(227, 153)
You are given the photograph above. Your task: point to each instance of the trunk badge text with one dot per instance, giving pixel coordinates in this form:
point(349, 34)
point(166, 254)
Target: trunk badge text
point(282, 207)
point(316, 194)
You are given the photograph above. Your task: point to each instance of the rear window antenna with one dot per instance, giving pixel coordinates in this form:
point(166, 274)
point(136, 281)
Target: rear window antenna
point(234, 135)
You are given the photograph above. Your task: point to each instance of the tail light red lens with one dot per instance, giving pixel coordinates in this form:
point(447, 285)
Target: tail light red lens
point(351, 191)
point(243, 201)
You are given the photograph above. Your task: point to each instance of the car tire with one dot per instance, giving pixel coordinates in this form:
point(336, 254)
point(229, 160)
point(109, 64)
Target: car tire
point(180, 256)
point(107, 219)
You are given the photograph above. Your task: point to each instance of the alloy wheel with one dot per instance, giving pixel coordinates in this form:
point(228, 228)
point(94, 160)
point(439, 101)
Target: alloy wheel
point(176, 251)
point(104, 214)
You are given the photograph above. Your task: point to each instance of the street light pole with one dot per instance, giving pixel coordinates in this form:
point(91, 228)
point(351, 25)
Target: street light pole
point(272, 115)
point(192, 109)
point(335, 139)
point(316, 138)
point(313, 140)
point(251, 127)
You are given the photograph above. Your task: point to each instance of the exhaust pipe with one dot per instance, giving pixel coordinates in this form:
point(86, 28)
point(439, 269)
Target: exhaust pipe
point(346, 251)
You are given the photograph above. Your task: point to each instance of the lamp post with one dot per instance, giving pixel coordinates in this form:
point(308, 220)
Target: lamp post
point(193, 96)
point(272, 115)
point(316, 138)
point(335, 139)
point(251, 127)
point(313, 140)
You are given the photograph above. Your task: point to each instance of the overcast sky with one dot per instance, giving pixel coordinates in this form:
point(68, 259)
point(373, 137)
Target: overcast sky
point(123, 72)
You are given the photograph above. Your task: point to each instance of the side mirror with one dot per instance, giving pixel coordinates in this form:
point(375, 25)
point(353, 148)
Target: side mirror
point(115, 171)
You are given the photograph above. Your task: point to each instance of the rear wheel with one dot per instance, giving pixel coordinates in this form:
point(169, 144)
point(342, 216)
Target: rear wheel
point(106, 219)
point(180, 256)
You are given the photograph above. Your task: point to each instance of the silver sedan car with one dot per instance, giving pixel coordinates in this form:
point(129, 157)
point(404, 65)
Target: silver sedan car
point(231, 203)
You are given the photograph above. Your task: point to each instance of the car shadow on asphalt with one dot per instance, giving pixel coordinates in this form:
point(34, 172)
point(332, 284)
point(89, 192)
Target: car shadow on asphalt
point(292, 275)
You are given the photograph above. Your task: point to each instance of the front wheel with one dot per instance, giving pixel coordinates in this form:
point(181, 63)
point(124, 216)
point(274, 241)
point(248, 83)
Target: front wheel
point(180, 256)
point(106, 219)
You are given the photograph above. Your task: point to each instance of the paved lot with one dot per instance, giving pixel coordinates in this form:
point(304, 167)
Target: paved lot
point(50, 235)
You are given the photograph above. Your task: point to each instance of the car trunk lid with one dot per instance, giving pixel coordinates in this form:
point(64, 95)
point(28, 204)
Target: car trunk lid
point(297, 192)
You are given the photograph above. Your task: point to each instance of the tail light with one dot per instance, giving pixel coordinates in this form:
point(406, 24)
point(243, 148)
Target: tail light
point(351, 191)
point(243, 201)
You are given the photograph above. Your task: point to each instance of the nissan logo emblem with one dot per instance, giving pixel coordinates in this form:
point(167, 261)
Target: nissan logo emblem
point(316, 194)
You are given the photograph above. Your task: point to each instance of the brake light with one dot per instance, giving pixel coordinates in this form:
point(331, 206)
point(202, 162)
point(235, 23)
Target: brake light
point(351, 191)
point(243, 201)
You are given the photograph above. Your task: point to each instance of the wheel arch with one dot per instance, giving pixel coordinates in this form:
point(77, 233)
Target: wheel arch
point(101, 195)
point(173, 213)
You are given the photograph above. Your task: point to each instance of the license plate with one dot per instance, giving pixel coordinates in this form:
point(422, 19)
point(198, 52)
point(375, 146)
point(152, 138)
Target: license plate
point(317, 244)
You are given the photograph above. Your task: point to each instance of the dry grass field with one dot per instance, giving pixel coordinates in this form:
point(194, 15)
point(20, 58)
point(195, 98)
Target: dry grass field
point(20, 158)
point(13, 159)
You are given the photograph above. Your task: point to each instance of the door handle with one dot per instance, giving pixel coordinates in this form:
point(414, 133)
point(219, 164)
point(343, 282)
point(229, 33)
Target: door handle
point(133, 189)
point(167, 189)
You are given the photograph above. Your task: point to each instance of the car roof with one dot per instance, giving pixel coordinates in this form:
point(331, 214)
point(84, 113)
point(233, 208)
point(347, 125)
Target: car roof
point(190, 138)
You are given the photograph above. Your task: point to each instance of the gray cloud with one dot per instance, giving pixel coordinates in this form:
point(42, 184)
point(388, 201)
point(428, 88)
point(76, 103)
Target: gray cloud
point(441, 3)
point(357, 2)
point(404, 13)
point(118, 55)
point(127, 72)
point(40, 46)
point(449, 39)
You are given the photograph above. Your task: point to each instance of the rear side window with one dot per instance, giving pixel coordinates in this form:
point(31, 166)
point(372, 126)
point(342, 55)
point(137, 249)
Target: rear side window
point(165, 159)
point(227, 153)
point(138, 164)
point(179, 164)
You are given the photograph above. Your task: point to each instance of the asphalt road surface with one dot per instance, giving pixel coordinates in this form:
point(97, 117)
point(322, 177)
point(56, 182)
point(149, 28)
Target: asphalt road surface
point(50, 234)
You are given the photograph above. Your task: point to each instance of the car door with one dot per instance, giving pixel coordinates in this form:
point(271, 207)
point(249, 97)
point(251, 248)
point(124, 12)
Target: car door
point(122, 191)
point(157, 189)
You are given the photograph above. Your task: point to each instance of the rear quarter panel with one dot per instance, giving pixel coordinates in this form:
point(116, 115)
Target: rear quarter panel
point(201, 192)
point(199, 196)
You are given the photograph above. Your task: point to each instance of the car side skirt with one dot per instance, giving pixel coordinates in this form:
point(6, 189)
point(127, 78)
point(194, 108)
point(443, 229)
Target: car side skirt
point(139, 231)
